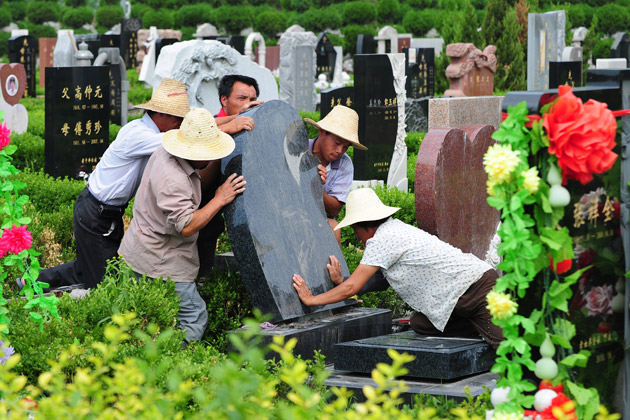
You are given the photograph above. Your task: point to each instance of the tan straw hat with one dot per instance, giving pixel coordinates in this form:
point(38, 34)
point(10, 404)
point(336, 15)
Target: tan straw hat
point(198, 138)
point(364, 205)
point(342, 122)
point(169, 98)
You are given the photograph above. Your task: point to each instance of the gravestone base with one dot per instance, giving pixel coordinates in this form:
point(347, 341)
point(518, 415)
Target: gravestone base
point(323, 331)
point(453, 390)
point(441, 358)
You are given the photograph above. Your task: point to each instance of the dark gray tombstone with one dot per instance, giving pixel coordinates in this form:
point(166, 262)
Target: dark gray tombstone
point(420, 72)
point(565, 73)
point(278, 226)
point(375, 101)
point(23, 50)
point(326, 56)
point(366, 44)
point(77, 119)
point(417, 115)
point(621, 47)
point(129, 41)
point(115, 94)
point(303, 77)
point(237, 42)
point(442, 358)
point(332, 97)
point(161, 43)
point(93, 42)
point(110, 41)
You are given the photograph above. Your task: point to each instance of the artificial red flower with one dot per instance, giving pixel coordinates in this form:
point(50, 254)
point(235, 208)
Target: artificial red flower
point(5, 136)
point(581, 136)
point(16, 239)
point(546, 384)
point(603, 327)
point(561, 408)
point(562, 266)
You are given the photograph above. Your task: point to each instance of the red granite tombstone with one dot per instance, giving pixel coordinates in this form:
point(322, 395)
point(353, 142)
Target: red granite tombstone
point(272, 57)
point(451, 188)
point(403, 42)
point(46, 48)
point(13, 82)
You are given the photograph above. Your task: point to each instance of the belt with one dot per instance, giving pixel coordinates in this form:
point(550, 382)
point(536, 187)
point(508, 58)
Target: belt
point(94, 200)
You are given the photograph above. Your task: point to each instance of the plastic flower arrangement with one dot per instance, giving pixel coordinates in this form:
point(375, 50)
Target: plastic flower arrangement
point(16, 253)
point(572, 141)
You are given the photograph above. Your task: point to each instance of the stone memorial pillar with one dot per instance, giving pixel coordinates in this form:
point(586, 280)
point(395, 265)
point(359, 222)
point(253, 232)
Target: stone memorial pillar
point(387, 40)
point(129, 41)
point(77, 119)
point(297, 69)
point(545, 42)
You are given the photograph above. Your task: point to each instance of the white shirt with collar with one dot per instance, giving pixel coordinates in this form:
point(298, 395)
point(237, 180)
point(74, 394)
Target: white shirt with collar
point(117, 176)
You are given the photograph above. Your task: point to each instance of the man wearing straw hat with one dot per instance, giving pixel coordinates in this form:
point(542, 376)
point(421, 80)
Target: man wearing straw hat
point(162, 238)
point(337, 132)
point(98, 211)
point(446, 288)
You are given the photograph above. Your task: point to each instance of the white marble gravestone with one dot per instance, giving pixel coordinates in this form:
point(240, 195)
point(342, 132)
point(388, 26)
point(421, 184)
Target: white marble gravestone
point(297, 69)
point(147, 70)
point(205, 30)
point(262, 49)
point(435, 43)
point(63, 54)
point(545, 42)
point(337, 80)
point(202, 64)
point(387, 33)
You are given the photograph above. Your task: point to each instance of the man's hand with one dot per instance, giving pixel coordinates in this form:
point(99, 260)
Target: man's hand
point(237, 125)
point(303, 291)
point(322, 173)
point(227, 192)
point(334, 269)
point(249, 105)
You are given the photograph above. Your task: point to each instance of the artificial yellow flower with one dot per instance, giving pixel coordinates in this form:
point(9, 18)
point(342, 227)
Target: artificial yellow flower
point(531, 179)
point(500, 305)
point(507, 416)
point(490, 183)
point(500, 161)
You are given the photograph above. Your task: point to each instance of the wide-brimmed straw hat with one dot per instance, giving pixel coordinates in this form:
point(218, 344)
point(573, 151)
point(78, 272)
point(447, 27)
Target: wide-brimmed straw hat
point(342, 122)
point(198, 138)
point(364, 205)
point(170, 97)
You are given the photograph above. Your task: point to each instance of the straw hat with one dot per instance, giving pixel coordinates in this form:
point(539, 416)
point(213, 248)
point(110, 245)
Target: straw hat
point(342, 122)
point(363, 205)
point(169, 98)
point(198, 138)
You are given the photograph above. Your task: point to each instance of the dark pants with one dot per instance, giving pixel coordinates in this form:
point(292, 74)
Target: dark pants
point(97, 238)
point(470, 311)
point(207, 240)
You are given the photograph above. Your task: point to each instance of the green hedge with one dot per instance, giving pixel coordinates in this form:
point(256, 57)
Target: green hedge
point(39, 12)
point(76, 18)
point(270, 22)
point(192, 15)
point(234, 18)
point(108, 16)
point(162, 18)
point(318, 20)
point(18, 10)
point(30, 152)
point(350, 34)
point(5, 16)
point(359, 13)
point(387, 11)
point(612, 18)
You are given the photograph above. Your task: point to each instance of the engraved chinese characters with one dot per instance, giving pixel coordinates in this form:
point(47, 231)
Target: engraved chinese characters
point(23, 50)
point(336, 96)
point(420, 72)
point(129, 41)
point(77, 119)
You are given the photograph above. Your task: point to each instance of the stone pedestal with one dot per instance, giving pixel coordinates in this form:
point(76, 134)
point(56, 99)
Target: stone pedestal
point(456, 112)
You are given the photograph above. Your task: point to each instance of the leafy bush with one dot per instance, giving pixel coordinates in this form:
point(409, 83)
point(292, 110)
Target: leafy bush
point(138, 92)
point(39, 186)
point(412, 162)
point(18, 10)
point(413, 140)
point(315, 116)
point(318, 20)
point(580, 15)
point(387, 11)
point(5, 16)
point(4, 43)
point(74, 3)
point(350, 34)
point(335, 39)
point(188, 32)
point(162, 18)
point(138, 10)
point(108, 16)
point(602, 48)
point(39, 12)
point(418, 23)
point(234, 18)
point(192, 15)
point(359, 13)
point(301, 5)
point(30, 152)
point(76, 18)
point(40, 31)
point(612, 18)
point(271, 22)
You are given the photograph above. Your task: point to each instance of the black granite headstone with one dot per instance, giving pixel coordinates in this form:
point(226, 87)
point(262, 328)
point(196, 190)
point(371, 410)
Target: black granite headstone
point(77, 119)
point(332, 97)
point(565, 73)
point(23, 50)
point(278, 226)
point(161, 43)
point(420, 72)
point(621, 47)
point(442, 358)
point(237, 42)
point(110, 41)
point(376, 103)
point(93, 42)
point(129, 41)
point(115, 94)
point(365, 44)
point(326, 57)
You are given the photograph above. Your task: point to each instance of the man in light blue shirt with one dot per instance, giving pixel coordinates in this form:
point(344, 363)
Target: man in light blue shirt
point(98, 211)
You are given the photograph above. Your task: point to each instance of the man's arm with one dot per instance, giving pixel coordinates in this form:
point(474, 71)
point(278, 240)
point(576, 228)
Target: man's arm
point(332, 205)
point(225, 194)
point(235, 125)
point(343, 291)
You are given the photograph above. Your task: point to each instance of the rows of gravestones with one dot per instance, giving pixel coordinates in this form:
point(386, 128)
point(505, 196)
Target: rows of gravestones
point(393, 89)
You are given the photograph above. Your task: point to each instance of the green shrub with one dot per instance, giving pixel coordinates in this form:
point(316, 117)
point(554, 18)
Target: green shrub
point(301, 5)
point(335, 39)
point(40, 31)
point(234, 18)
point(271, 22)
point(412, 162)
point(315, 116)
point(602, 48)
point(74, 3)
point(350, 34)
point(318, 20)
point(39, 186)
point(359, 13)
point(30, 152)
point(18, 10)
point(413, 140)
point(188, 32)
point(108, 16)
point(36, 121)
point(113, 131)
point(418, 23)
point(138, 10)
point(612, 18)
point(4, 43)
point(5, 16)
point(274, 4)
point(580, 15)
point(192, 15)
point(162, 18)
point(76, 18)
point(387, 11)
point(39, 12)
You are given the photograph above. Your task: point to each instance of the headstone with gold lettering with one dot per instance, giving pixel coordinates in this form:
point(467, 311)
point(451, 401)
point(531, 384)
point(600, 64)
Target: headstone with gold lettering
point(545, 42)
point(23, 50)
point(77, 119)
point(129, 41)
point(420, 72)
point(565, 73)
point(332, 97)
